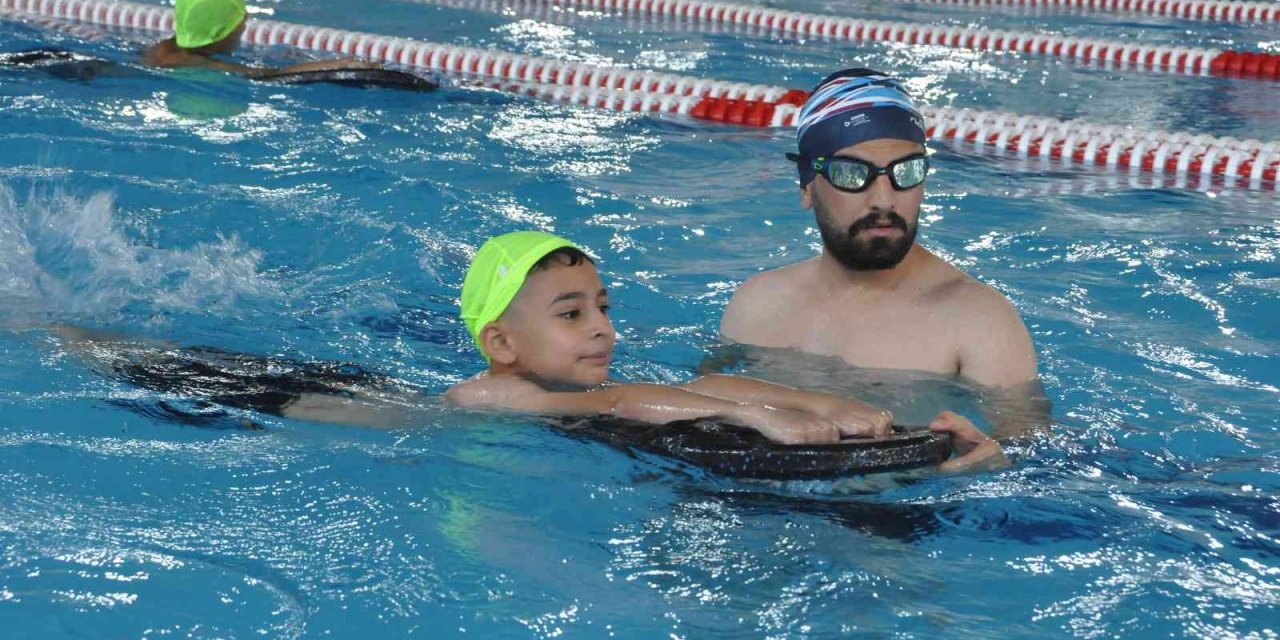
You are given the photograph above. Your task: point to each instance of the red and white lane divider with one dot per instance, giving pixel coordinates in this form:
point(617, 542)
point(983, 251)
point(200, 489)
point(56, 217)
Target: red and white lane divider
point(1210, 10)
point(1128, 149)
point(1190, 60)
point(449, 59)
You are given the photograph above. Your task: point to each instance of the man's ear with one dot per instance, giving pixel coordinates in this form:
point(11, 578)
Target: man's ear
point(806, 199)
point(497, 344)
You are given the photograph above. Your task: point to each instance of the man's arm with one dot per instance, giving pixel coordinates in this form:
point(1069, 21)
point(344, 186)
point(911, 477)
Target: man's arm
point(996, 353)
point(742, 315)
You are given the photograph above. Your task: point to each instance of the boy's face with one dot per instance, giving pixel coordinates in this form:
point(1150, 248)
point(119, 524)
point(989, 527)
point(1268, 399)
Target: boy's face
point(558, 327)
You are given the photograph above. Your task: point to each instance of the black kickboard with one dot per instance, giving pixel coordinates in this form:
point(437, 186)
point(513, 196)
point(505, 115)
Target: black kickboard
point(75, 66)
point(268, 385)
point(744, 453)
point(63, 64)
point(363, 78)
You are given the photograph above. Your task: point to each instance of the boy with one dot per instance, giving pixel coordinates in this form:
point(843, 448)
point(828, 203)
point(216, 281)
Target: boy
point(206, 28)
point(536, 308)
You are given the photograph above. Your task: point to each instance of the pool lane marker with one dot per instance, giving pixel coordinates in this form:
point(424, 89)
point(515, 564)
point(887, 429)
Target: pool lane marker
point(1111, 53)
point(1207, 10)
point(1251, 163)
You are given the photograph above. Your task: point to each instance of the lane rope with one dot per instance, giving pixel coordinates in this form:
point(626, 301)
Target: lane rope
point(1117, 148)
point(1112, 53)
point(1207, 10)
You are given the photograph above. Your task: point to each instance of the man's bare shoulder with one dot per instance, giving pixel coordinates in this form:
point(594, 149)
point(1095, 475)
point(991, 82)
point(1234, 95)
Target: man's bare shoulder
point(993, 345)
point(762, 296)
point(969, 297)
point(774, 284)
point(949, 288)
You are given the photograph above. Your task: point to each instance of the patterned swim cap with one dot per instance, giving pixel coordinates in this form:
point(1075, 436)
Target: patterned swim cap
point(853, 106)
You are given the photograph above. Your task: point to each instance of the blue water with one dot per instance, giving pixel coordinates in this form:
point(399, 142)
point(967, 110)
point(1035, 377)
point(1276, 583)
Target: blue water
point(335, 224)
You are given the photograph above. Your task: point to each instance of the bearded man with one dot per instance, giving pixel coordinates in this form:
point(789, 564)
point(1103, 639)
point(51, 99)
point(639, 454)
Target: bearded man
point(874, 297)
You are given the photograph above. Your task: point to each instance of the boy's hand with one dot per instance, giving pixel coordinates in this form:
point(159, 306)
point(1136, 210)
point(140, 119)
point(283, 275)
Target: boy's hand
point(854, 418)
point(789, 426)
point(976, 450)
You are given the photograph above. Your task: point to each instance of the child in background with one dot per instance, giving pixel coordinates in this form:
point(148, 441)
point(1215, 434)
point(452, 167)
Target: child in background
point(206, 28)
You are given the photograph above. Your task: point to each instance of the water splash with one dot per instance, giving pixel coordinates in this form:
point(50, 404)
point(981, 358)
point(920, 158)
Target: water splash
point(62, 257)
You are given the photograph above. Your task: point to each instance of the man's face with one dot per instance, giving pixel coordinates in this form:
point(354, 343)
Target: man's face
point(873, 229)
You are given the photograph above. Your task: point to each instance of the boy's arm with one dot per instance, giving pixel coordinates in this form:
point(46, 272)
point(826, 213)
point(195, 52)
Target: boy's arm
point(852, 417)
point(652, 403)
point(184, 59)
point(316, 65)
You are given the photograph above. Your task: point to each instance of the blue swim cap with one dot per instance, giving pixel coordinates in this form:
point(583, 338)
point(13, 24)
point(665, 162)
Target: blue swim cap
point(852, 106)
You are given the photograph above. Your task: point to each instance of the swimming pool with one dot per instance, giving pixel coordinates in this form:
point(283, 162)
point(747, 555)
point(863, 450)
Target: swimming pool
point(335, 224)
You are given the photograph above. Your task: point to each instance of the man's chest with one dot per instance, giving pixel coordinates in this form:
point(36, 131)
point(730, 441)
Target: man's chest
point(892, 334)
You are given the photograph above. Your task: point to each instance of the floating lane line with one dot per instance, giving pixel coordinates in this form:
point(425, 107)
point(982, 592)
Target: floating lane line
point(1207, 10)
point(1117, 148)
point(1112, 53)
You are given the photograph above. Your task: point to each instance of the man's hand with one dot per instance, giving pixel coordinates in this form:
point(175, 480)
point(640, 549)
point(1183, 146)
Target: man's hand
point(975, 450)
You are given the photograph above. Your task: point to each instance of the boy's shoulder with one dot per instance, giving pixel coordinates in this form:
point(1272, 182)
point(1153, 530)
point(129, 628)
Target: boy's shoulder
point(166, 53)
point(486, 390)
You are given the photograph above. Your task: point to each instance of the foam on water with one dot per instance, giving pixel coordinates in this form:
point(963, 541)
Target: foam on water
point(61, 256)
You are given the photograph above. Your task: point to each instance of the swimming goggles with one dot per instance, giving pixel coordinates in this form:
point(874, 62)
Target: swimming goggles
point(853, 175)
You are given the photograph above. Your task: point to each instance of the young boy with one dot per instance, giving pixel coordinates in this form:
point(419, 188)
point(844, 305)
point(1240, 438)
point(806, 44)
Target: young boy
point(536, 308)
point(206, 28)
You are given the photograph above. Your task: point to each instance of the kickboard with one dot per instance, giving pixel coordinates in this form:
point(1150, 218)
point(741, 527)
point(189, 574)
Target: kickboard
point(743, 453)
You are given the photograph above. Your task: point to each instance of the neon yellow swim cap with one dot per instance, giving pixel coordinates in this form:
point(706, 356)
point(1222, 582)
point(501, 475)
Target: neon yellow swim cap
point(497, 273)
point(200, 23)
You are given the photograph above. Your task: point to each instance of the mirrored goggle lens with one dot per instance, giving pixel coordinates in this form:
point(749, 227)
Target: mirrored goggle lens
point(910, 173)
point(848, 175)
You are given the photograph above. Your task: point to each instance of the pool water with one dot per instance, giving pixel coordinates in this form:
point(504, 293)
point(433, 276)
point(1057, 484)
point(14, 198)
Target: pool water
point(335, 224)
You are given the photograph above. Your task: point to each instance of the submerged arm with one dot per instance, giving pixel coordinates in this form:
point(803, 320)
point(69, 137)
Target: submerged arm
point(999, 356)
point(1017, 410)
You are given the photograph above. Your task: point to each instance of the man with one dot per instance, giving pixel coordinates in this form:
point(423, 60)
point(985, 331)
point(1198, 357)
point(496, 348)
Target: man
point(874, 297)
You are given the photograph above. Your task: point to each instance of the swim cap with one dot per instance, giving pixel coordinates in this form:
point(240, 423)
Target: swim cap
point(852, 106)
point(200, 23)
point(497, 273)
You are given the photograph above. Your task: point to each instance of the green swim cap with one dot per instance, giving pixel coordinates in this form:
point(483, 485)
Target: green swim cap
point(200, 23)
point(497, 273)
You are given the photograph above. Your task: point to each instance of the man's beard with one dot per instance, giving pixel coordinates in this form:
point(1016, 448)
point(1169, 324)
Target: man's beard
point(867, 253)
